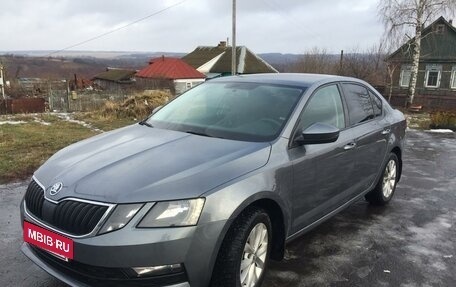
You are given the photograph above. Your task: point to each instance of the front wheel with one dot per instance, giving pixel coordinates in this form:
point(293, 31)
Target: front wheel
point(386, 185)
point(244, 253)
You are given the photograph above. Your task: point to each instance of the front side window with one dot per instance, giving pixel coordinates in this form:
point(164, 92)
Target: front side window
point(359, 104)
point(433, 73)
point(325, 106)
point(231, 110)
point(406, 73)
point(453, 78)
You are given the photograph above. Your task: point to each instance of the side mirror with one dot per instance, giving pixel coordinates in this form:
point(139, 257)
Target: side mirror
point(318, 133)
point(156, 109)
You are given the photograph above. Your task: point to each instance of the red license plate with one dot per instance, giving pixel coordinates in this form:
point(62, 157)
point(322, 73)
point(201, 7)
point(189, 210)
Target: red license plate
point(48, 240)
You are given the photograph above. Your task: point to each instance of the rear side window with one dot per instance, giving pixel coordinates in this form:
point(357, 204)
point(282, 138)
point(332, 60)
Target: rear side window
point(377, 103)
point(325, 106)
point(359, 104)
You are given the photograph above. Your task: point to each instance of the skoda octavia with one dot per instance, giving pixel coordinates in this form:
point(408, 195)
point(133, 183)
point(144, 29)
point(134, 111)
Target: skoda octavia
point(210, 187)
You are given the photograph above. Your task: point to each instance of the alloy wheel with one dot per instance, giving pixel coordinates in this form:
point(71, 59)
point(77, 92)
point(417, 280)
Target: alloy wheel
point(254, 255)
point(389, 179)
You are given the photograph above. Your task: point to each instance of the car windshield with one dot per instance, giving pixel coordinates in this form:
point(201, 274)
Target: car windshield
point(230, 110)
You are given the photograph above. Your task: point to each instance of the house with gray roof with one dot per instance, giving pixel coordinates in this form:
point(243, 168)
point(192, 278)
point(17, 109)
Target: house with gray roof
point(115, 79)
point(436, 82)
point(216, 61)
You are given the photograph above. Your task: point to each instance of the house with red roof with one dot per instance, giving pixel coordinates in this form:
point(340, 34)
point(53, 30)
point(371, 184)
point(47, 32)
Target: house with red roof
point(166, 72)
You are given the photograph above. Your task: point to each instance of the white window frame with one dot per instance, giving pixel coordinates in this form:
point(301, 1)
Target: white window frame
point(453, 78)
point(404, 69)
point(429, 69)
point(188, 85)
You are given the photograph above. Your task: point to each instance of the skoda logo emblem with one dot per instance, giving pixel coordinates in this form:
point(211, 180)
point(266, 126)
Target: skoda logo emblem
point(55, 188)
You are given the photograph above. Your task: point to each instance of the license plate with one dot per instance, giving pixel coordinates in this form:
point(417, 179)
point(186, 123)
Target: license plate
point(50, 241)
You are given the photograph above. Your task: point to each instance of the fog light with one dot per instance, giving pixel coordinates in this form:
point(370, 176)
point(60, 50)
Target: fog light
point(158, 270)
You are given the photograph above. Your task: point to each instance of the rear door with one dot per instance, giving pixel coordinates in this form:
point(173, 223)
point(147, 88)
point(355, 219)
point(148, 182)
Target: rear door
point(364, 116)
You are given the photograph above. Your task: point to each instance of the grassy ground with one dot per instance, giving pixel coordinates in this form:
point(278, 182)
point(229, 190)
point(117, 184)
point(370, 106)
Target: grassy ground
point(25, 146)
point(28, 140)
point(104, 123)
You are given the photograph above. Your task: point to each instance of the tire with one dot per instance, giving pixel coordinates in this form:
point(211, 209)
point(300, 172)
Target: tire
point(386, 185)
point(227, 269)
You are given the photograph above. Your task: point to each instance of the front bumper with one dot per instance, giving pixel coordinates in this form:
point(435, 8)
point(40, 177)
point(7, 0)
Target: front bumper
point(106, 260)
point(75, 274)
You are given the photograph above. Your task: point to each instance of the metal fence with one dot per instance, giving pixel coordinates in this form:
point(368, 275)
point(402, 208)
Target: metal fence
point(63, 101)
point(24, 105)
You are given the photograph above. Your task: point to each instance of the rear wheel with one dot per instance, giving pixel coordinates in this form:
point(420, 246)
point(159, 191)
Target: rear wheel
point(386, 185)
point(244, 253)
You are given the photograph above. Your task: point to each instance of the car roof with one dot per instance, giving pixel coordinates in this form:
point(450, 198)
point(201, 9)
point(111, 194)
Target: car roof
point(291, 79)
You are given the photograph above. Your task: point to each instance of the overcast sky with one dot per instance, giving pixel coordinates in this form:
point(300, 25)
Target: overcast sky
point(286, 26)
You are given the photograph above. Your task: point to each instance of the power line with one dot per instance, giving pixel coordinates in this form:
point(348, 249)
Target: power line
point(287, 16)
point(117, 29)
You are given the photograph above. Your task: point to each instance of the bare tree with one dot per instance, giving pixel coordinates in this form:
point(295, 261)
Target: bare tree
point(402, 17)
point(366, 64)
point(316, 61)
point(391, 67)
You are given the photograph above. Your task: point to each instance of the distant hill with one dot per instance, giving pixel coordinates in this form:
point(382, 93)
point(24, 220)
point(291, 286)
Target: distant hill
point(89, 54)
point(35, 64)
point(86, 64)
point(49, 68)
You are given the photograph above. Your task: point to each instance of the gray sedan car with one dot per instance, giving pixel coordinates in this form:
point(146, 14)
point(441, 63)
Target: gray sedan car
point(214, 184)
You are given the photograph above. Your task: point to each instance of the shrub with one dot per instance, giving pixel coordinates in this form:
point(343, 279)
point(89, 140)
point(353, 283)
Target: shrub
point(443, 120)
point(136, 106)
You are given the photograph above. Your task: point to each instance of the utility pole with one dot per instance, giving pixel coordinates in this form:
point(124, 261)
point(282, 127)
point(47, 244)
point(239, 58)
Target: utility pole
point(233, 49)
point(341, 63)
point(2, 82)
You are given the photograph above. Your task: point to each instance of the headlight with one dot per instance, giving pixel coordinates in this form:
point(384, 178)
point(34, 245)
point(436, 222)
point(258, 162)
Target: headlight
point(120, 217)
point(173, 213)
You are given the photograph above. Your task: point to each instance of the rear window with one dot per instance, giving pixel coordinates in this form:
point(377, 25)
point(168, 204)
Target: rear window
point(359, 104)
point(377, 104)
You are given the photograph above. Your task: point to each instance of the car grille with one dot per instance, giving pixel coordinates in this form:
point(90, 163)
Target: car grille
point(34, 198)
point(70, 216)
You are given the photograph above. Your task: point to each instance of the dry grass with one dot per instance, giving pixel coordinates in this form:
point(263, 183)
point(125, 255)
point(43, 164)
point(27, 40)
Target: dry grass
point(135, 108)
point(418, 120)
point(443, 120)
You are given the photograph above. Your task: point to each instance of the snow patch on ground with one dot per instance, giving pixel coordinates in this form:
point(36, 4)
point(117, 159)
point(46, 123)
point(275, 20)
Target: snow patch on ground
point(67, 117)
point(41, 122)
point(12, 122)
point(440, 131)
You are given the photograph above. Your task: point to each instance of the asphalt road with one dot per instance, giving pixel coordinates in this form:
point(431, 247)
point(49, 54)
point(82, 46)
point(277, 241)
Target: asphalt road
point(411, 242)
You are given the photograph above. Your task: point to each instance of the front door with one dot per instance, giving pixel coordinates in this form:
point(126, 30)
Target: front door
point(321, 172)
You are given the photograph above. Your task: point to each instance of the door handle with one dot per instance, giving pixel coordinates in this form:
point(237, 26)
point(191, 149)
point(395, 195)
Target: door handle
point(386, 131)
point(349, 146)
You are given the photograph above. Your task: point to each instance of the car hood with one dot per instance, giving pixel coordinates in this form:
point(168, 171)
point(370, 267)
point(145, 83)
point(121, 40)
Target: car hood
point(139, 164)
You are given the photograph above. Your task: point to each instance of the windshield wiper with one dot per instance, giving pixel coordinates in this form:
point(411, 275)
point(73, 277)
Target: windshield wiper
point(144, 123)
point(202, 134)
point(198, 134)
